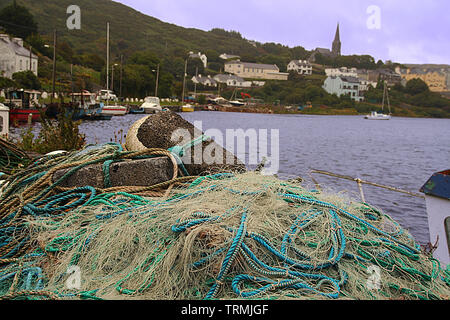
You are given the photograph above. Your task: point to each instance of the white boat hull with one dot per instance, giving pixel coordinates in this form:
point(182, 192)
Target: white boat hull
point(152, 110)
point(151, 105)
point(438, 210)
point(378, 116)
point(114, 110)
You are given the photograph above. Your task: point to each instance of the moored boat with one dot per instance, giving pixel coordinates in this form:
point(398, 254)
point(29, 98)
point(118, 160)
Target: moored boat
point(237, 103)
point(381, 116)
point(378, 116)
point(23, 103)
point(187, 108)
point(85, 107)
point(114, 110)
point(151, 105)
point(437, 197)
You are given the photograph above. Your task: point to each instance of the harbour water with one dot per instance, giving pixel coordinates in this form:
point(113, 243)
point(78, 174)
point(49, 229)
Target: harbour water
point(402, 152)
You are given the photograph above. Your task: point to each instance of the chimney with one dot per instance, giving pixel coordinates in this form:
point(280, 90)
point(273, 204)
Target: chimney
point(19, 41)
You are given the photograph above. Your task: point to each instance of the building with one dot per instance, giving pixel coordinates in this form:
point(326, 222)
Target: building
point(301, 67)
point(345, 86)
point(333, 53)
point(14, 57)
point(336, 48)
point(255, 70)
point(232, 81)
point(390, 77)
point(436, 79)
point(205, 81)
point(225, 56)
point(200, 56)
point(365, 84)
point(344, 72)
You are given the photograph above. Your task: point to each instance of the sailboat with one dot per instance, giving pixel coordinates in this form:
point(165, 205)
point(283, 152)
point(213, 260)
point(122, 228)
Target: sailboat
point(113, 110)
point(381, 116)
point(185, 107)
point(233, 101)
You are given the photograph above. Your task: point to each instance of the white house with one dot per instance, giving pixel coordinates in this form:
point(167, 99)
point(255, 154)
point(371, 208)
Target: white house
point(14, 57)
point(342, 72)
point(200, 56)
point(344, 86)
point(255, 70)
point(206, 81)
point(233, 81)
point(300, 66)
point(225, 56)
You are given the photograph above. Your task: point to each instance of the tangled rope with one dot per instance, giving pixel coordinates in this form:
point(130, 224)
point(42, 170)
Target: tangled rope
point(11, 158)
point(223, 236)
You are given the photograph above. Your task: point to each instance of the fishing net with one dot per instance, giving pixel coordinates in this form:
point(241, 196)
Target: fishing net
point(223, 236)
point(11, 158)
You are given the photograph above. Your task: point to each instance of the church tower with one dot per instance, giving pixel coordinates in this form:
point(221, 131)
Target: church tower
point(337, 43)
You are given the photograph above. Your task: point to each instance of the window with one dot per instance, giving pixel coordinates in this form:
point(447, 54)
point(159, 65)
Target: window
point(20, 68)
point(1, 124)
point(447, 232)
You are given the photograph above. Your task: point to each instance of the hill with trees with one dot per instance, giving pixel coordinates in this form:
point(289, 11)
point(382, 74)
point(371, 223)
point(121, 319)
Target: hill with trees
point(140, 44)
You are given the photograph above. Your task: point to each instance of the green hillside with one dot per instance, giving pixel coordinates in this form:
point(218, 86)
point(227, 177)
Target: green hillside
point(130, 30)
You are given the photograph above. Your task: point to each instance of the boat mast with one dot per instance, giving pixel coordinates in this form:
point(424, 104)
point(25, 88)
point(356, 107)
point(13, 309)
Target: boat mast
point(184, 81)
point(387, 96)
point(107, 63)
point(384, 95)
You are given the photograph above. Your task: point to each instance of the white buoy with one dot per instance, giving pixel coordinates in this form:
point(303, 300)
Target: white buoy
point(55, 153)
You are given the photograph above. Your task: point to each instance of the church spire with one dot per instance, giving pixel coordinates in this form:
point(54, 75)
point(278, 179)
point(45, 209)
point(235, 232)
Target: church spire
point(337, 43)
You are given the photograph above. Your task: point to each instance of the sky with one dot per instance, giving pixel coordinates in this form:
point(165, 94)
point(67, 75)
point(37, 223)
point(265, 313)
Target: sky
point(405, 31)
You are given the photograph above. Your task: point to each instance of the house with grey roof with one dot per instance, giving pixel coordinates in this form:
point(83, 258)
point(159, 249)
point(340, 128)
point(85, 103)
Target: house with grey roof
point(232, 80)
point(345, 86)
point(248, 70)
point(14, 57)
point(205, 81)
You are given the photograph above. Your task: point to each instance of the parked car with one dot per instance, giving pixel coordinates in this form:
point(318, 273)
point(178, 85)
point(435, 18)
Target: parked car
point(103, 95)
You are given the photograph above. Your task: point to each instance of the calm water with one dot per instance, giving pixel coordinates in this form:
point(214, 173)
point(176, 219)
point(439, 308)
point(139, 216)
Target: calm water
point(402, 153)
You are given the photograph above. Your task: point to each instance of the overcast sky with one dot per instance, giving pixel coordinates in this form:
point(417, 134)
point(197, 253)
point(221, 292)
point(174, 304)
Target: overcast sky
point(407, 31)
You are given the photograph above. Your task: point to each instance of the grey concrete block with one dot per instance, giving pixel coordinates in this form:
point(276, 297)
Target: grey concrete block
point(140, 173)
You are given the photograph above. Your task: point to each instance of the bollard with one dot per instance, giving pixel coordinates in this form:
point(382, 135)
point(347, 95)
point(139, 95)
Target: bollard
point(30, 119)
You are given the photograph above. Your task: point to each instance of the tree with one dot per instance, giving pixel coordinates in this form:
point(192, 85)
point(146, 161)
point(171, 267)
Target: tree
point(416, 86)
point(165, 85)
point(27, 80)
point(7, 83)
point(18, 21)
point(93, 61)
